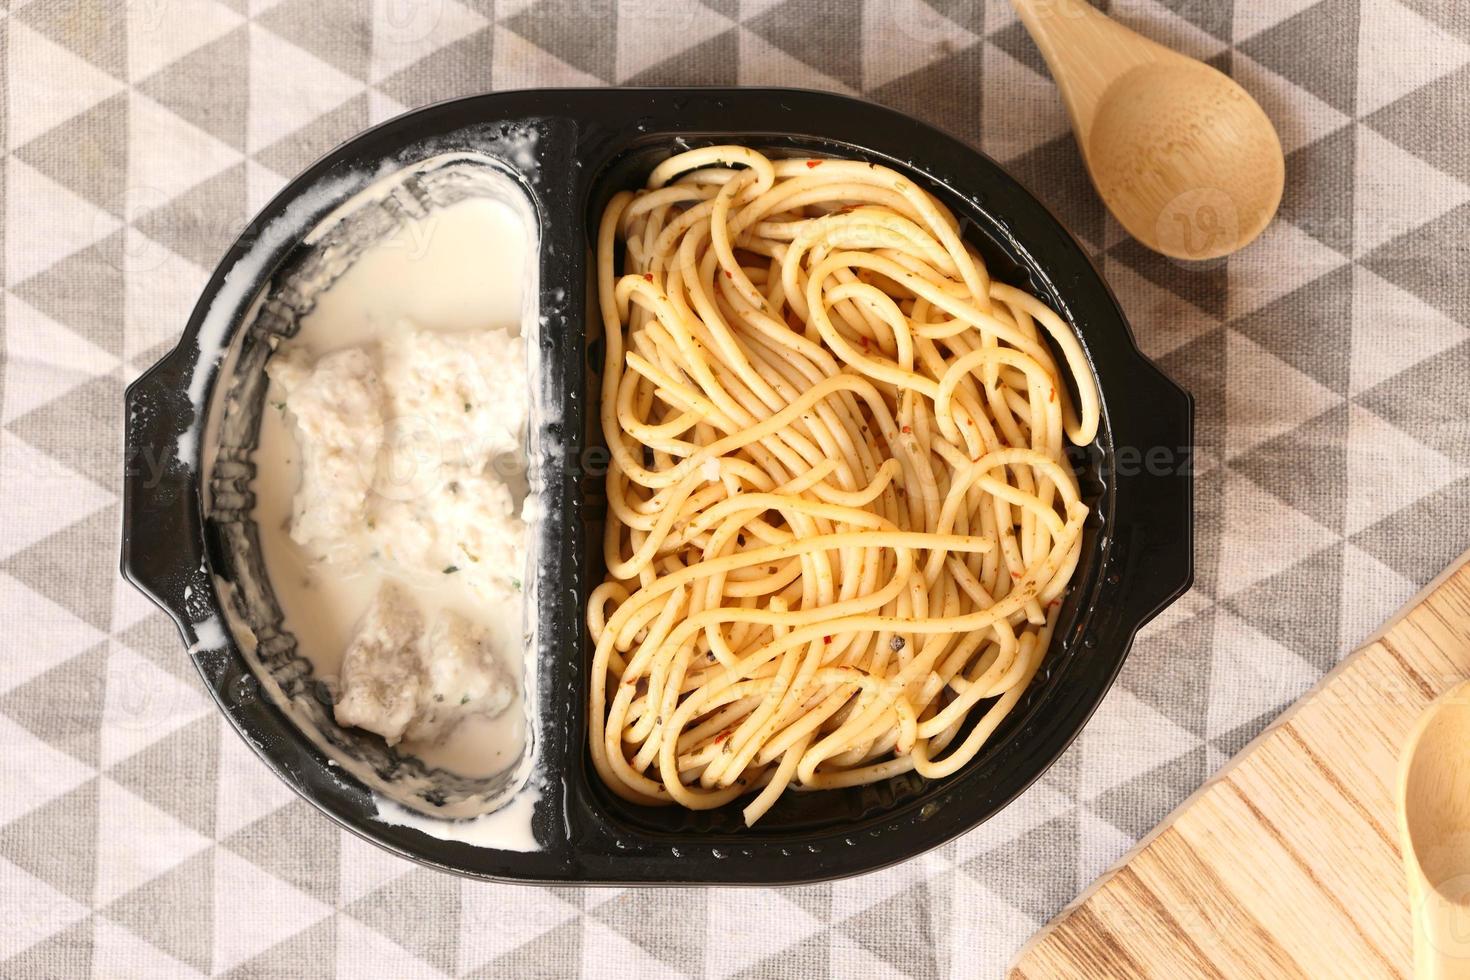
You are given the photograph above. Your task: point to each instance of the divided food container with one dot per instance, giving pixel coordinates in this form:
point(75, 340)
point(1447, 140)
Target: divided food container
point(558, 156)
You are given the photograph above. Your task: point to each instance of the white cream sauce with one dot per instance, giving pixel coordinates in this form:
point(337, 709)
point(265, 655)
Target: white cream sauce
point(506, 829)
point(462, 268)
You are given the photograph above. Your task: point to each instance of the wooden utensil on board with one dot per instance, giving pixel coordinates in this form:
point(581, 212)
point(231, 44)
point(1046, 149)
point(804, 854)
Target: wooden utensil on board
point(1184, 158)
point(1287, 862)
point(1434, 830)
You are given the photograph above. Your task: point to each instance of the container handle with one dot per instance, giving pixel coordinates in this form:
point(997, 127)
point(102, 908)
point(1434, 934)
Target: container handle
point(163, 552)
point(1161, 478)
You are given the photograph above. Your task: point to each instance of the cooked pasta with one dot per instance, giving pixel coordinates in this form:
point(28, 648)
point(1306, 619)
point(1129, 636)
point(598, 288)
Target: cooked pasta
point(840, 518)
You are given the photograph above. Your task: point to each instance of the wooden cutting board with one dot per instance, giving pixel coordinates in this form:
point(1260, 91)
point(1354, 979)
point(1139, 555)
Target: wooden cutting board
point(1286, 863)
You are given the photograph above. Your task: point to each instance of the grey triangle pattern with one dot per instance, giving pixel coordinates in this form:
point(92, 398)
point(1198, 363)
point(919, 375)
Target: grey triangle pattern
point(311, 954)
point(1014, 41)
point(812, 957)
point(4, 199)
point(433, 940)
point(57, 842)
point(887, 929)
point(3, 338)
point(209, 87)
point(1004, 869)
point(1217, 19)
point(340, 32)
point(1353, 169)
point(80, 429)
point(1223, 62)
point(90, 136)
point(4, 123)
point(914, 93)
point(1134, 806)
point(1074, 197)
point(96, 32)
point(969, 14)
point(1418, 123)
point(1441, 423)
point(1399, 541)
point(63, 706)
point(153, 637)
point(460, 68)
point(1065, 775)
point(1240, 736)
point(1315, 448)
point(1307, 48)
point(1205, 284)
point(725, 8)
point(832, 45)
point(188, 889)
point(68, 953)
point(1321, 182)
point(814, 900)
point(294, 844)
point(1200, 367)
point(1425, 262)
point(552, 955)
point(1288, 607)
point(669, 925)
point(202, 222)
point(1446, 15)
point(1170, 670)
point(147, 358)
point(178, 774)
point(1309, 328)
point(591, 47)
point(84, 292)
point(294, 153)
point(66, 559)
point(713, 62)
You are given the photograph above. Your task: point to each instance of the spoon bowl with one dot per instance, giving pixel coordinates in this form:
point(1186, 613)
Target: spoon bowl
point(1184, 158)
point(1434, 827)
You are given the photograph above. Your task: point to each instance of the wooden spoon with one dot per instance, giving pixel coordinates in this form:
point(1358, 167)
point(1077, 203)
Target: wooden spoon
point(1434, 827)
point(1183, 157)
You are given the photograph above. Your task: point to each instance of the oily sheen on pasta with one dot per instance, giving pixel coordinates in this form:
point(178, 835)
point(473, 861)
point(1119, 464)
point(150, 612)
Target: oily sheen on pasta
point(840, 519)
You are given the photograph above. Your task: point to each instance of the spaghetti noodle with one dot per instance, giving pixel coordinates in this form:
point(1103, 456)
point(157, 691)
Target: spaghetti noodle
point(840, 520)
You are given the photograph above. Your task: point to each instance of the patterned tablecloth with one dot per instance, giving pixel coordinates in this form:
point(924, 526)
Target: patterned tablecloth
point(1330, 362)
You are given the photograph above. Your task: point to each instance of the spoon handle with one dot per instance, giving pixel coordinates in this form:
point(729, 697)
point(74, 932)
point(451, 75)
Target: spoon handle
point(1085, 50)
